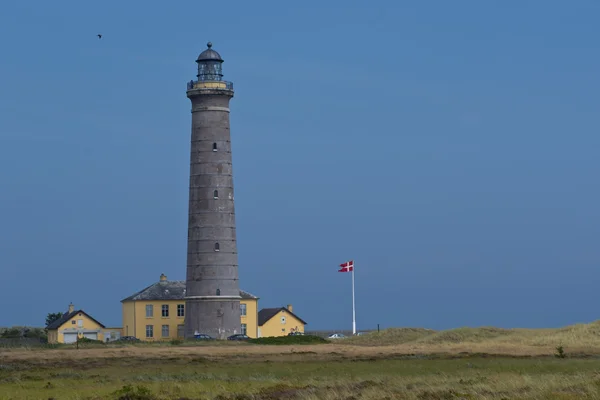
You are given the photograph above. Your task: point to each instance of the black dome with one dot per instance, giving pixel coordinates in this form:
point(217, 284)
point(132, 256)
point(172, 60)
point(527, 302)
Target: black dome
point(209, 54)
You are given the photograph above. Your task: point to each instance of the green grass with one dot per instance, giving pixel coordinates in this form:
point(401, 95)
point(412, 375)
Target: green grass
point(303, 376)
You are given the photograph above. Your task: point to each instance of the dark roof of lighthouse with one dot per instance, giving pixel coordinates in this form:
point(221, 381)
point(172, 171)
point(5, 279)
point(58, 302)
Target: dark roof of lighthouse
point(209, 54)
point(169, 290)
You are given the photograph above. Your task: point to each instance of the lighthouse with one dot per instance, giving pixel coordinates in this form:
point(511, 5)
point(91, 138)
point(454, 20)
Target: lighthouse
point(212, 297)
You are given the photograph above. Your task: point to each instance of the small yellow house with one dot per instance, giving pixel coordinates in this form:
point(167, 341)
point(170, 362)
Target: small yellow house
point(279, 322)
point(77, 324)
point(158, 312)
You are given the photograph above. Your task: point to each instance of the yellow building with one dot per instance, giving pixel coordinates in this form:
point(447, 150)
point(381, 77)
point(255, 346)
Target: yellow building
point(158, 312)
point(279, 322)
point(77, 324)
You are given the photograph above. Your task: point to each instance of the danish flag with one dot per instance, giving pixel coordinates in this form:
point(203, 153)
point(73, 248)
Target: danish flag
point(347, 266)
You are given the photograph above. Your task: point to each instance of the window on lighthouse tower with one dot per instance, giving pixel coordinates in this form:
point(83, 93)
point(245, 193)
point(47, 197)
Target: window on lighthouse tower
point(214, 147)
point(216, 246)
point(216, 194)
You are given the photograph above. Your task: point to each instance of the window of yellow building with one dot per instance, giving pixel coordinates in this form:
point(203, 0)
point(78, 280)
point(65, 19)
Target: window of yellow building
point(244, 328)
point(149, 331)
point(165, 310)
point(149, 311)
point(243, 309)
point(180, 310)
point(165, 331)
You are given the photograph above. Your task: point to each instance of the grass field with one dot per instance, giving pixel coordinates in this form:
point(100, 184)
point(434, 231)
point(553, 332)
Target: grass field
point(467, 363)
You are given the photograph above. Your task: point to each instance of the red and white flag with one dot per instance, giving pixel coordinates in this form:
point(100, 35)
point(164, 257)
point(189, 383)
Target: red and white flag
point(347, 266)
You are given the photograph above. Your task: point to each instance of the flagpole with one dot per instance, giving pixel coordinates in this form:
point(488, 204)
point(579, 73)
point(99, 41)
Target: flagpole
point(353, 307)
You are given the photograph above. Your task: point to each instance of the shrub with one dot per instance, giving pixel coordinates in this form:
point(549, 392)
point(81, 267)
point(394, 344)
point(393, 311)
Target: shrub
point(12, 333)
point(84, 340)
point(36, 333)
point(23, 332)
point(560, 352)
point(129, 392)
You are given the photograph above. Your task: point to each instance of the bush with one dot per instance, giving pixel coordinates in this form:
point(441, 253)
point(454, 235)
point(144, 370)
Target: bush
point(23, 332)
point(176, 342)
point(12, 333)
point(84, 340)
point(129, 392)
point(560, 352)
point(36, 333)
point(294, 339)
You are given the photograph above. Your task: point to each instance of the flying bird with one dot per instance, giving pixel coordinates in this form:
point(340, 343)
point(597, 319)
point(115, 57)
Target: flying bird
point(99, 36)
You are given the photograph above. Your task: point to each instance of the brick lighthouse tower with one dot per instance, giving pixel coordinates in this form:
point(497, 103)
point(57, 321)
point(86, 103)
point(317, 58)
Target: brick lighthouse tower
point(212, 302)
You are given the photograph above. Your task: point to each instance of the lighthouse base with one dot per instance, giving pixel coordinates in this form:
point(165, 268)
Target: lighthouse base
point(216, 316)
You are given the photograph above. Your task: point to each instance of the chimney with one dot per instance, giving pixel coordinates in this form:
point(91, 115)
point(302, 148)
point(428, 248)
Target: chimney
point(289, 307)
point(71, 307)
point(163, 278)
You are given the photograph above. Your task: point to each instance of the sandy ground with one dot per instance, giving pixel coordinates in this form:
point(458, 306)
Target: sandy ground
point(274, 352)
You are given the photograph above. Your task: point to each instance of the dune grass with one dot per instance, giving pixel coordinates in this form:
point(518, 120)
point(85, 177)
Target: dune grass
point(580, 337)
point(289, 340)
point(389, 336)
point(401, 363)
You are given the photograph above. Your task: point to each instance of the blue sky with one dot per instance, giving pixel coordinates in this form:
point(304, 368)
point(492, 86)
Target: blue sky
point(449, 148)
